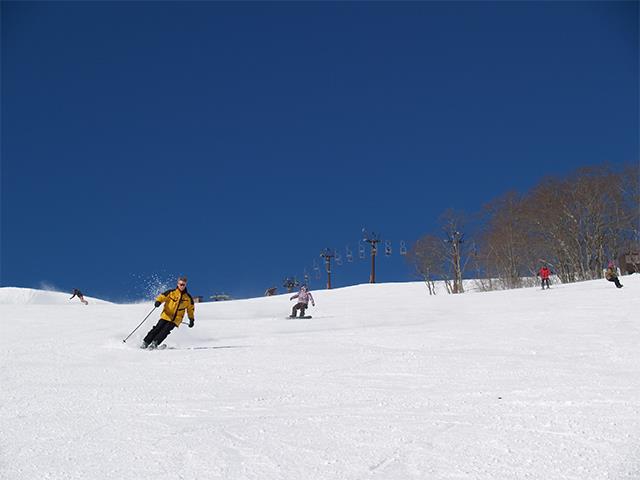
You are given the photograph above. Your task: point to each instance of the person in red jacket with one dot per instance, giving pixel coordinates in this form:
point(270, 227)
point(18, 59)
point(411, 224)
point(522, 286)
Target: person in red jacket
point(544, 275)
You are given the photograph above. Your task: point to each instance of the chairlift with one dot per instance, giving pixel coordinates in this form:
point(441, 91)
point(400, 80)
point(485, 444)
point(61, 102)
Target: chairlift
point(387, 248)
point(327, 253)
point(349, 255)
point(369, 236)
point(403, 248)
point(361, 252)
point(290, 283)
point(338, 258)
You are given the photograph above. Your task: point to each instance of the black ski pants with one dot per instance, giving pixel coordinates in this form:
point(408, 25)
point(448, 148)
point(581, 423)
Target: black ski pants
point(159, 332)
point(299, 306)
point(616, 281)
point(545, 281)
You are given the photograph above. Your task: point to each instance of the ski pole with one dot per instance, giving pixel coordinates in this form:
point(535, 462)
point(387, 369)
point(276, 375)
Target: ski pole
point(125, 340)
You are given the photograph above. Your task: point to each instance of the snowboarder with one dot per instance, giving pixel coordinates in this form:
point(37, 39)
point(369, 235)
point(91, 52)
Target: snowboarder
point(612, 274)
point(544, 273)
point(303, 296)
point(78, 293)
point(176, 302)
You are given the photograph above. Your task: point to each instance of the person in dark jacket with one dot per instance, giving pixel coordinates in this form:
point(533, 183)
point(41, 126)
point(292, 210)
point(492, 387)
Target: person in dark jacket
point(611, 274)
point(176, 303)
point(303, 301)
point(544, 273)
point(78, 293)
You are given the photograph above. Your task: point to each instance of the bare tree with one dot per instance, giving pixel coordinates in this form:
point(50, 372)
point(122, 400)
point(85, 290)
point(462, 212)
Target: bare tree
point(503, 240)
point(457, 256)
point(427, 257)
point(574, 225)
point(628, 214)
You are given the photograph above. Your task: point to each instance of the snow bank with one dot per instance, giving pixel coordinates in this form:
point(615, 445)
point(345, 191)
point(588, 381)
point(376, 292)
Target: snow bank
point(30, 296)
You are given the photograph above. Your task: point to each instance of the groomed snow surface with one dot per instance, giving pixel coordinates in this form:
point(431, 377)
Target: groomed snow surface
point(384, 382)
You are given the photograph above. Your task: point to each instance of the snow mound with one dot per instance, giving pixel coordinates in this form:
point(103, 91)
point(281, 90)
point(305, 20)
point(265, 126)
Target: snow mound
point(30, 296)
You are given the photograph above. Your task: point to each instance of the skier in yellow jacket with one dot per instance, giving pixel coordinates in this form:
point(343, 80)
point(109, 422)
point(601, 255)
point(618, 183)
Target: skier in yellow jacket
point(176, 302)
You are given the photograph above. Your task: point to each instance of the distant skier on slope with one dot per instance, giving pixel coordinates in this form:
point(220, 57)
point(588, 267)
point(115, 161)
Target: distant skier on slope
point(544, 273)
point(303, 296)
point(611, 274)
point(176, 302)
point(78, 293)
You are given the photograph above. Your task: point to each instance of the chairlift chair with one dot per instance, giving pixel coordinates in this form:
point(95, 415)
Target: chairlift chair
point(349, 255)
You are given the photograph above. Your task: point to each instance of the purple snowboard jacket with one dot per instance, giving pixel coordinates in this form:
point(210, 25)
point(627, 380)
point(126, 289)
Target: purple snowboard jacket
point(303, 297)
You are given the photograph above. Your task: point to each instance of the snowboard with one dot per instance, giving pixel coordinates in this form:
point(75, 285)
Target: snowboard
point(306, 317)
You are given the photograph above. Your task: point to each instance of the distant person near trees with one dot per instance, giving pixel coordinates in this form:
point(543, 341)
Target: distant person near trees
point(176, 302)
point(544, 273)
point(611, 274)
point(78, 293)
point(303, 296)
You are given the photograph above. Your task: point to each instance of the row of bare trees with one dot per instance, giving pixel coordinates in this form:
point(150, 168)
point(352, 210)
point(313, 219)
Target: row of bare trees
point(444, 256)
point(575, 225)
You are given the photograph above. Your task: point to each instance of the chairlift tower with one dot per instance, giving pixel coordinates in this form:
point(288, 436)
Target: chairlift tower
point(328, 254)
point(372, 239)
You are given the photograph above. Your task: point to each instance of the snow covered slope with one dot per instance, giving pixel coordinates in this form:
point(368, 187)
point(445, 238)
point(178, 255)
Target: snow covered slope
point(24, 296)
point(384, 382)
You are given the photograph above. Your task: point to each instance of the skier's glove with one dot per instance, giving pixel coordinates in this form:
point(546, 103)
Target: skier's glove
point(157, 304)
point(313, 304)
point(191, 320)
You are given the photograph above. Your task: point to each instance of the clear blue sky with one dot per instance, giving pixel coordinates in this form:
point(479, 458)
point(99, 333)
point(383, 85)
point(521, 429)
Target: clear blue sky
point(232, 142)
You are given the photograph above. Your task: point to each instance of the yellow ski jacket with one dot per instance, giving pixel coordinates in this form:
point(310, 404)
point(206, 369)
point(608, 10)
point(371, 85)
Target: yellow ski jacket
point(175, 304)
